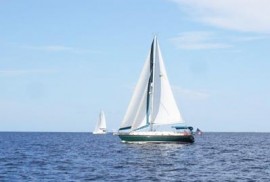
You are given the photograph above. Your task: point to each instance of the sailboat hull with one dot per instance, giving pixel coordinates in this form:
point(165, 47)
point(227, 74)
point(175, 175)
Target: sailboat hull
point(156, 137)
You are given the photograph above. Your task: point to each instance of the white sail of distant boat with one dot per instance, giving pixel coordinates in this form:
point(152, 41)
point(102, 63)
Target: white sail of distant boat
point(152, 103)
point(101, 124)
point(199, 132)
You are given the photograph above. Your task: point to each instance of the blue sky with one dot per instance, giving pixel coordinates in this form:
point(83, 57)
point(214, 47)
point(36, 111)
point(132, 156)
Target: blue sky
point(61, 62)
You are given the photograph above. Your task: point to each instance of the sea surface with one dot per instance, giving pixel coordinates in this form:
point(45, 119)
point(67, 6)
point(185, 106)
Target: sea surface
point(87, 157)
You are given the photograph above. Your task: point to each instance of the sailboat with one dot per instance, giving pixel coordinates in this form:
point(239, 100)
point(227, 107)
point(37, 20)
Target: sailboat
point(153, 105)
point(198, 131)
point(101, 124)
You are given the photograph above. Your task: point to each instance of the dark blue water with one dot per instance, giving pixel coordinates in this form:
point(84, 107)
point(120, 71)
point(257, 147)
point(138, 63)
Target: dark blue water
point(86, 157)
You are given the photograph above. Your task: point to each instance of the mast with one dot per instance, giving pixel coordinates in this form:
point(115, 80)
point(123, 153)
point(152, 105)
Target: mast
point(153, 82)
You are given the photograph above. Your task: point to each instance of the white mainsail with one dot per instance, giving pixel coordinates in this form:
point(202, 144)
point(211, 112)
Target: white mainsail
point(152, 101)
point(101, 124)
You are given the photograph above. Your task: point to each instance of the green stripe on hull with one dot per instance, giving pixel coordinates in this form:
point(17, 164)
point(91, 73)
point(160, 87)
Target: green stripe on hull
point(157, 138)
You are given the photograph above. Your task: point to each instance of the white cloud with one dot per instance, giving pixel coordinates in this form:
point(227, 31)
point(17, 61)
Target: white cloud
point(241, 15)
point(55, 48)
point(58, 48)
point(24, 72)
point(248, 38)
point(198, 40)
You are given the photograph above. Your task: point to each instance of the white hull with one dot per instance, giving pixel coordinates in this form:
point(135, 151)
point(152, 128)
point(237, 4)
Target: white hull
point(99, 133)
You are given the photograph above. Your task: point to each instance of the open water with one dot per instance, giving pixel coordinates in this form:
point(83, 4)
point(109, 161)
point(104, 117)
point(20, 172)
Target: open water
point(87, 157)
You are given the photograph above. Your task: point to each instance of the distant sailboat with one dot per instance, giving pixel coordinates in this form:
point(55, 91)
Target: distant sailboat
point(101, 124)
point(198, 131)
point(152, 105)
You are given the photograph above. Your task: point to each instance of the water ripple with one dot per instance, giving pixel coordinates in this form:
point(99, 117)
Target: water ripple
point(86, 157)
